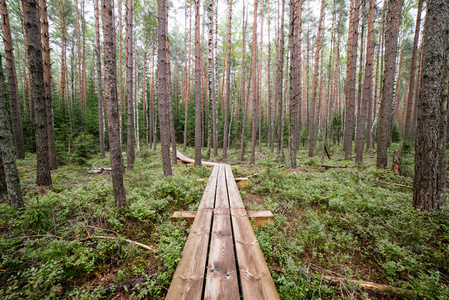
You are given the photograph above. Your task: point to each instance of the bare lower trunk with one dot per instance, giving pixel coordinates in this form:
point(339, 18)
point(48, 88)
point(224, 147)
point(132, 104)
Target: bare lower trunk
point(198, 108)
point(99, 80)
point(254, 76)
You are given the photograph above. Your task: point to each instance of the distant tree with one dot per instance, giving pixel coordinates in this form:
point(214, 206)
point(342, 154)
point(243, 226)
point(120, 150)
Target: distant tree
point(34, 50)
point(368, 85)
point(353, 34)
point(254, 83)
point(386, 109)
point(429, 190)
point(198, 111)
point(228, 82)
point(13, 92)
point(9, 167)
point(129, 83)
point(99, 80)
point(110, 95)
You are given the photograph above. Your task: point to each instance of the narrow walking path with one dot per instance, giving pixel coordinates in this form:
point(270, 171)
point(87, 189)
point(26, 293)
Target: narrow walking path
point(222, 258)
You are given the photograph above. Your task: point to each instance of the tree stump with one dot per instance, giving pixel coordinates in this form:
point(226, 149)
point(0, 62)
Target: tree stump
point(396, 161)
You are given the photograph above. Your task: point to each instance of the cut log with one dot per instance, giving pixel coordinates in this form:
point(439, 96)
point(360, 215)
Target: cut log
point(334, 167)
point(396, 162)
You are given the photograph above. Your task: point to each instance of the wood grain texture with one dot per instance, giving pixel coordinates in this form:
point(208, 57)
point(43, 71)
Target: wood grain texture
point(233, 192)
point(188, 279)
point(255, 278)
point(221, 278)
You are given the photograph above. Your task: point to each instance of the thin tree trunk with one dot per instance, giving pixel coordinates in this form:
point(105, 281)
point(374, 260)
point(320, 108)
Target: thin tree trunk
point(47, 82)
point(228, 83)
point(99, 80)
point(211, 82)
point(120, 71)
point(9, 165)
point(368, 86)
point(169, 92)
point(350, 84)
point(315, 81)
point(110, 94)
point(198, 108)
point(13, 90)
point(294, 93)
point(408, 117)
point(254, 76)
point(131, 156)
point(279, 82)
point(163, 87)
point(386, 109)
point(62, 86)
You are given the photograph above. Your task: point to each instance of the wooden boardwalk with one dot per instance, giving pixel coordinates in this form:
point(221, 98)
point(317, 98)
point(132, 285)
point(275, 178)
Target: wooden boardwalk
point(222, 258)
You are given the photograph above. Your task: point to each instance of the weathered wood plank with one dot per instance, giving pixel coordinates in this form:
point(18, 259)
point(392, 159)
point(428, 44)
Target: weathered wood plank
point(255, 278)
point(234, 195)
point(188, 279)
point(188, 216)
point(260, 217)
point(221, 278)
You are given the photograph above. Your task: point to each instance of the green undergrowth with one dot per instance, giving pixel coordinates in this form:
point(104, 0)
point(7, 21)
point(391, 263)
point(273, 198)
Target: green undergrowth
point(350, 223)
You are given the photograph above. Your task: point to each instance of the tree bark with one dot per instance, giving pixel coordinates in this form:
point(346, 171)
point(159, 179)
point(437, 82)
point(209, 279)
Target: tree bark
point(315, 81)
point(120, 71)
point(368, 86)
point(131, 156)
point(211, 82)
point(47, 82)
point(429, 190)
point(254, 75)
point(13, 91)
point(34, 46)
point(110, 95)
point(63, 83)
point(99, 80)
point(408, 117)
point(279, 80)
point(351, 81)
point(197, 86)
point(386, 106)
point(294, 93)
point(162, 88)
point(228, 82)
point(11, 174)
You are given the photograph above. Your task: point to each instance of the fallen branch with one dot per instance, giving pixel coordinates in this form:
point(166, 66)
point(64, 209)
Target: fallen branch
point(396, 184)
point(334, 167)
point(371, 286)
point(99, 170)
point(117, 238)
point(26, 171)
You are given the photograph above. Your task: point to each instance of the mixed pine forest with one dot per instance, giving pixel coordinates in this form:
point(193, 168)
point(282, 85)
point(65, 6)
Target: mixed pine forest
point(336, 111)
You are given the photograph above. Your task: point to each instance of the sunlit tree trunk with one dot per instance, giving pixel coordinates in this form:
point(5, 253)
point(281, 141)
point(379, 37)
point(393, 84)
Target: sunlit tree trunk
point(254, 76)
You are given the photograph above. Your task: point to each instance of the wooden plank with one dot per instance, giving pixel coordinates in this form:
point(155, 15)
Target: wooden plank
point(234, 195)
point(188, 216)
point(221, 278)
point(242, 181)
point(188, 279)
point(255, 278)
point(258, 218)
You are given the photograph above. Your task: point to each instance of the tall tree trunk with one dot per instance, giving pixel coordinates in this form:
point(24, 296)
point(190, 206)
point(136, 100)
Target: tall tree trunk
point(315, 81)
point(408, 117)
point(429, 190)
point(120, 71)
point(294, 95)
point(131, 156)
point(34, 46)
point(99, 80)
point(187, 91)
point(78, 35)
point(351, 81)
point(9, 165)
point(254, 76)
point(228, 83)
point(169, 92)
point(62, 87)
point(198, 107)
point(13, 90)
point(212, 101)
point(163, 87)
point(368, 86)
point(47, 89)
point(386, 109)
point(298, 70)
point(110, 95)
point(84, 76)
point(259, 77)
point(279, 82)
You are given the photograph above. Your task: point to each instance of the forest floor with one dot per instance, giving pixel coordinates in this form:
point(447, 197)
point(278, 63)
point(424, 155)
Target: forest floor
point(332, 226)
